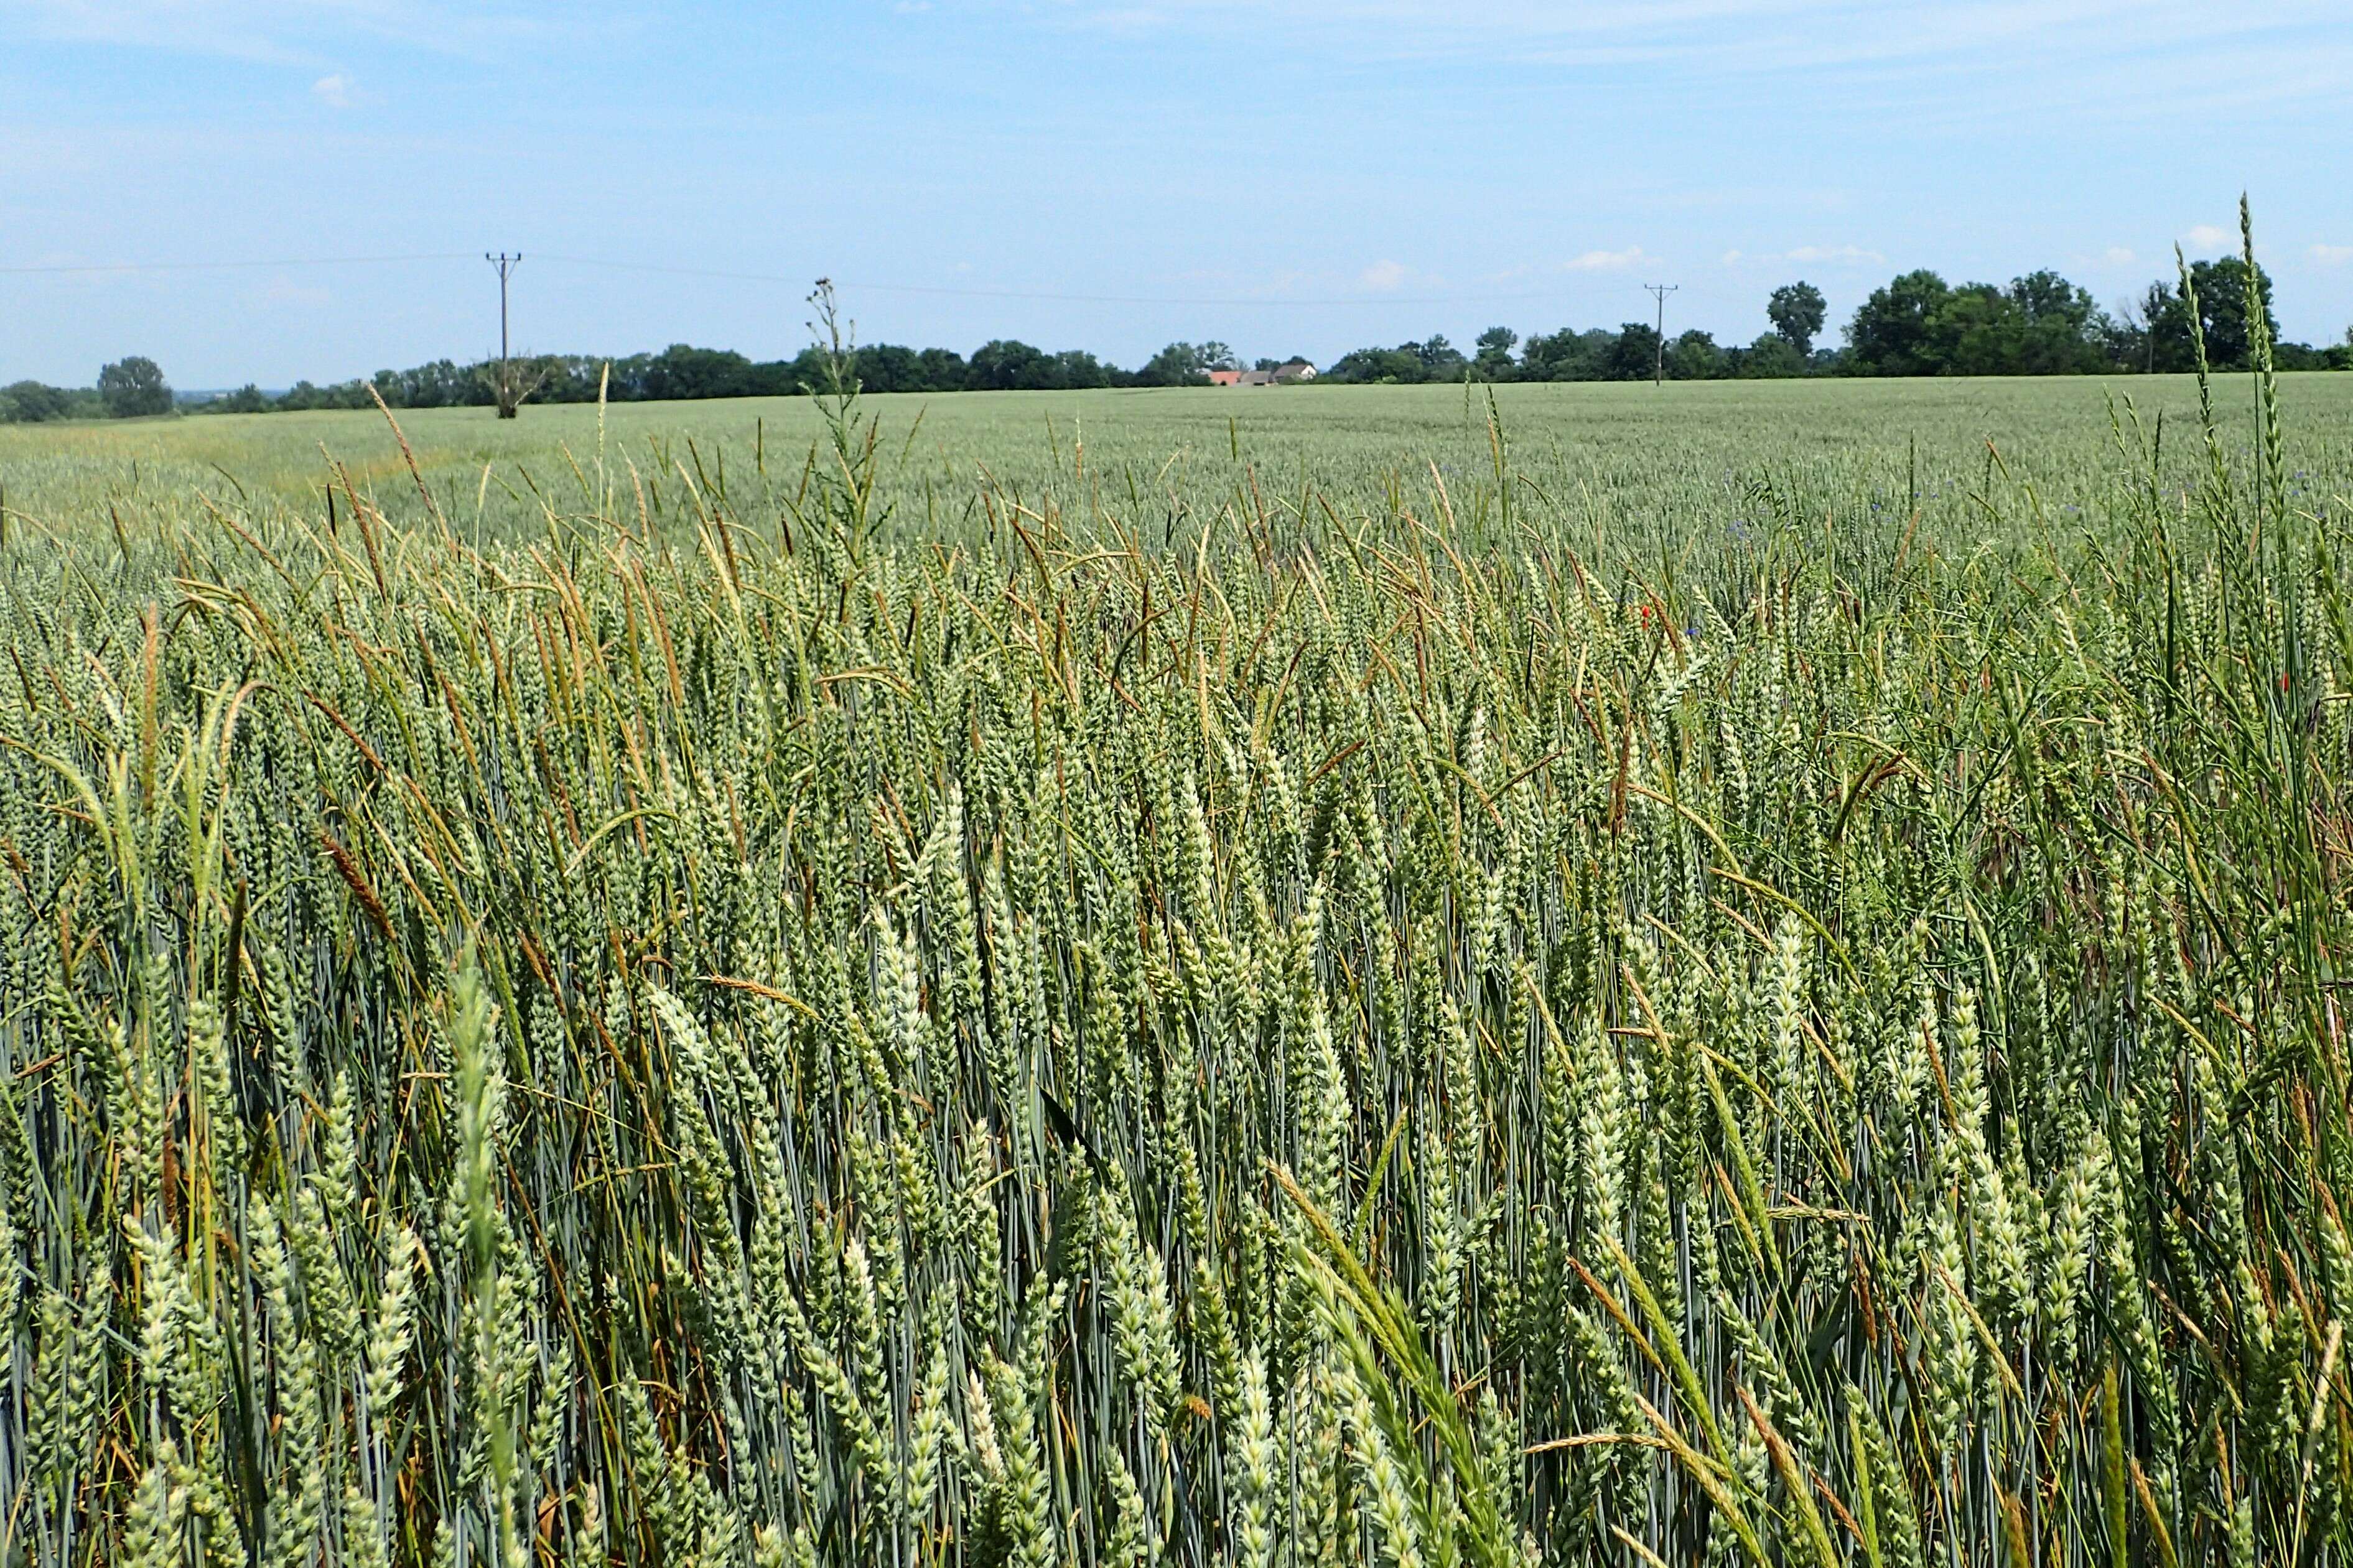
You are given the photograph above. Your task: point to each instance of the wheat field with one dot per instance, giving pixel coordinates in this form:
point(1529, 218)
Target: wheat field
point(1620, 470)
point(762, 1036)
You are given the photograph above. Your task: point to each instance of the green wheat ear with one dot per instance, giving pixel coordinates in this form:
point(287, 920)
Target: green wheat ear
point(1300, 1007)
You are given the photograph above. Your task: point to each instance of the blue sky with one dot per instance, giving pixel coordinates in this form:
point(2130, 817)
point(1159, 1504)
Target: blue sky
point(1304, 176)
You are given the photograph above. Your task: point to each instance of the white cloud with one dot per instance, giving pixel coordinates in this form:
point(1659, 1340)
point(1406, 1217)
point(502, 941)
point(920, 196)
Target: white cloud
point(1607, 260)
point(2332, 254)
point(334, 91)
point(1807, 255)
point(2117, 255)
point(1833, 254)
point(2206, 237)
point(1385, 276)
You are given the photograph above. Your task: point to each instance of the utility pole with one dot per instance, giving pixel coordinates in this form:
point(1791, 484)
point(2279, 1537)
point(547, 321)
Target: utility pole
point(1660, 291)
point(506, 265)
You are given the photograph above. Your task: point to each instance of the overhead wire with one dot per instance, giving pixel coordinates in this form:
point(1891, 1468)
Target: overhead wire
point(847, 285)
point(226, 266)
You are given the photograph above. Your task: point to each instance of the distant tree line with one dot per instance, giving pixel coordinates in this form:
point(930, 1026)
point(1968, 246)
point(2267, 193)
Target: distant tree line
point(685, 372)
point(129, 388)
point(135, 386)
point(1916, 324)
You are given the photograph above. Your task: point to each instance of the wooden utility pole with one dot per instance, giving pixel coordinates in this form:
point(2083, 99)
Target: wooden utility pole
point(507, 401)
point(1660, 291)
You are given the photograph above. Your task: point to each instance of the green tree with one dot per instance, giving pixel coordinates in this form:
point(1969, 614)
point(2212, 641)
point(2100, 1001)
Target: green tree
point(682, 371)
point(133, 388)
point(1009, 365)
point(1440, 360)
point(1400, 364)
point(1178, 365)
point(1494, 359)
point(1797, 311)
point(1694, 357)
point(2222, 289)
point(887, 367)
point(1076, 368)
point(808, 373)
point(1772, 356)
point(1978, 330)
point(31, 403)
point(1567, 354)
point(2062, 331)
point(1894, 331)
point(943, 370)
point(1634, 354)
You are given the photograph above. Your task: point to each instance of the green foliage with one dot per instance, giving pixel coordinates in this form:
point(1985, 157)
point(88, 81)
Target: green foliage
point(134, 388)
point(1771, 357)
point(1797, 311)
point(1694, 357)
point(1494, 359)
point(1178, 365)
point(1567, 355)
point(1008, 365)
point(1897, 330)
point(1435, 360)
point(2223, 318)
point(2040, 324)
point(1918, 325)
point(1187, 364)
point(1402, 365)
point(31, 403)
point(1634, 354)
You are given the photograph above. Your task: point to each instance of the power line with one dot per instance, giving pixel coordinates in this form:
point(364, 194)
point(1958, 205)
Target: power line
point(506, 265)
point(1660, 291)
point(227, 266)
point(1277, 302)
point(853, 284)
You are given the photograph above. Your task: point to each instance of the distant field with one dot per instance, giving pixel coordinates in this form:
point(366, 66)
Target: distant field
point(1642, 463)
